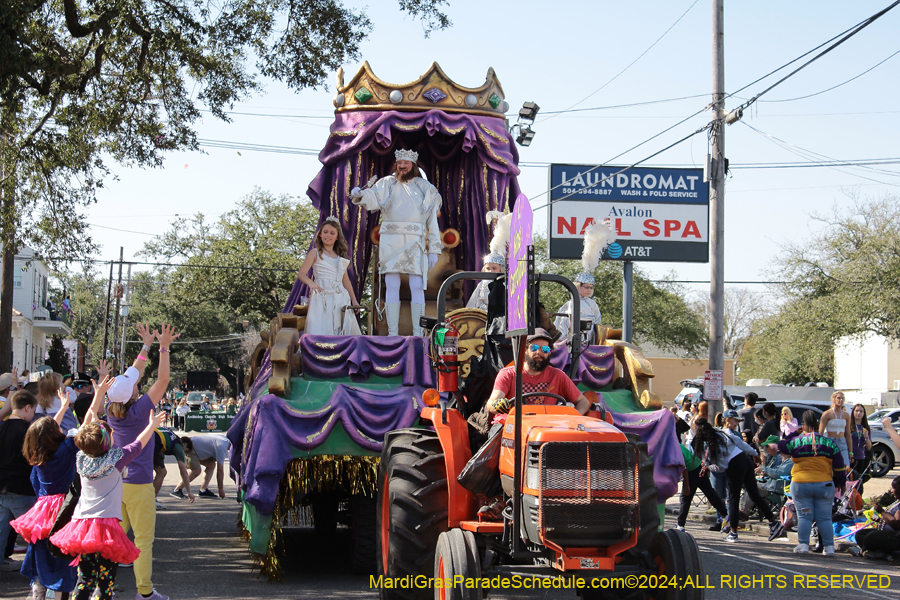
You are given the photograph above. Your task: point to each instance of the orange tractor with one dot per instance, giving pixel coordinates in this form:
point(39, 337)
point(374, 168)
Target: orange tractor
point(580, 507)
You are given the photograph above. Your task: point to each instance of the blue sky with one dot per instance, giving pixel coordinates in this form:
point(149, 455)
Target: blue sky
point(560, 55)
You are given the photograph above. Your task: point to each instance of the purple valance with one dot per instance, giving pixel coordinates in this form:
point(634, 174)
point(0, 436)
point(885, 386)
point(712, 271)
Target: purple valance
point(657, 429)
point(596, 365)
point(470, 159)
point(361, 357)
point(274, 428)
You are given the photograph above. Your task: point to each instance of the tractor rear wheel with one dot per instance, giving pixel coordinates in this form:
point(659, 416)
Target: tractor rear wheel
point(648, 492)
point(363, 534)
point(456, 556)
point(411, 509)
point(676, 554)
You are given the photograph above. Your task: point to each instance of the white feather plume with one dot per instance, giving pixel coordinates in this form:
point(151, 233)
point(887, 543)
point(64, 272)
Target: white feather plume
point(501, 231)
point(597, 237)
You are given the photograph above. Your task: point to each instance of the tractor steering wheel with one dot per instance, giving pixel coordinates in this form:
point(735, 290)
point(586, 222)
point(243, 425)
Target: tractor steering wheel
point(560, 400)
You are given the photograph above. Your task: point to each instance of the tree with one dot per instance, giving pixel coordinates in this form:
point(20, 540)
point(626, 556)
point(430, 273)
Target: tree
point(854, 264)
point(841, 282)
point(795, 345)
point(85, 82)
point(661, 315)
point(743, 308)
point(87, 295)
point(58, 356)
point(262, 241)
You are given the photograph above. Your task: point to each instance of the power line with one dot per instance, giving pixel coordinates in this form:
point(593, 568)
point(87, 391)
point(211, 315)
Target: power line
point(838, 85)
point(633, 104)
point(616, 76)
point(845, 36)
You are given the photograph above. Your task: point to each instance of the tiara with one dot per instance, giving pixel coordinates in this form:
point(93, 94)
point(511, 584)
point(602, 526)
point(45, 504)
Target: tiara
point(409, 155)
point(332, 219)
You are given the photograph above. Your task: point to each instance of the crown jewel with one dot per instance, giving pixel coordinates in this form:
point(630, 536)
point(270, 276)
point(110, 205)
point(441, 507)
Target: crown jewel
point(409, 155)
point(432, 90)
point(332, 219)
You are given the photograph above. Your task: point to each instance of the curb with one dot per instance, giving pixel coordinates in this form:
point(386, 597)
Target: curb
point(746, 526)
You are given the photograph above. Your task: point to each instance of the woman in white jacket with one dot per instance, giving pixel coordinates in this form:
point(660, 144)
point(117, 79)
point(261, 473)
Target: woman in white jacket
point(721, 452)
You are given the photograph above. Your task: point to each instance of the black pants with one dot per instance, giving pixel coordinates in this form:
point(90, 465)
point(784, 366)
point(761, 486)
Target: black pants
point(740, 474)
point(692, 482)
point(94, 571)
point(878, 541)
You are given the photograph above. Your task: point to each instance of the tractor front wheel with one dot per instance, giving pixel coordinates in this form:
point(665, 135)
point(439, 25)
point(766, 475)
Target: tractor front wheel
point(411, 509)
point(456, 557)
point(676, 555)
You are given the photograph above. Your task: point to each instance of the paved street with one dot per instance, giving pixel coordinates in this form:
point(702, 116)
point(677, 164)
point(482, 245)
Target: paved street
point(199, 555)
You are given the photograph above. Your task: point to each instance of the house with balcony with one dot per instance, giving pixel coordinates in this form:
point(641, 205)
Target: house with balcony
point(33, 324)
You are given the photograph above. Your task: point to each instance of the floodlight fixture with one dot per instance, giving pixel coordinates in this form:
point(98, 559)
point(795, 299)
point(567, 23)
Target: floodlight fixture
point(525, 135)
point(528, 112)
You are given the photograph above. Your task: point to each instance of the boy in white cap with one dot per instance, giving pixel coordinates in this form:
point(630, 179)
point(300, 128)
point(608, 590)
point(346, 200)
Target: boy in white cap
point(127, 414)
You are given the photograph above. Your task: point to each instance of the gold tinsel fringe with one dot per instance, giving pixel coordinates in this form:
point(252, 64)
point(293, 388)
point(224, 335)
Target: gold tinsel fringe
point(351, 474)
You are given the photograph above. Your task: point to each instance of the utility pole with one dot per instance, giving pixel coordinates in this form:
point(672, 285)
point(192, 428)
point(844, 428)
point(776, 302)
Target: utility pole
point(126, 310)
point(118, 304)
point(109, 289)
point(717, 204)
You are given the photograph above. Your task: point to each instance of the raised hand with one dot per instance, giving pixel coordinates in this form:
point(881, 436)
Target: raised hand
point(166, 335)
point(147, 336)
point(63, 396)
point(103, 369)
point(157, 419)
point(101, 388)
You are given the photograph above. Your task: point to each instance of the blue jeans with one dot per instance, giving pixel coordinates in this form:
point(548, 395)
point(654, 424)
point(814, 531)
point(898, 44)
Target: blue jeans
point(813, 502)
point(12, 506)
point(719, 484)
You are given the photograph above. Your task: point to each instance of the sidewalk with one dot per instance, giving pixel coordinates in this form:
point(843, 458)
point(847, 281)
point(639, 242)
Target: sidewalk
point(698, 515)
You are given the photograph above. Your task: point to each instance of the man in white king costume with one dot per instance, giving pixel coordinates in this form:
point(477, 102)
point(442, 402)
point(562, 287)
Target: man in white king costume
point(410, 236)
point(596, 238)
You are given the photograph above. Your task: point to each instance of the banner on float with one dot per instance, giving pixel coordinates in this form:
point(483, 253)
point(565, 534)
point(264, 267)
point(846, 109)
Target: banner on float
point(659, 215)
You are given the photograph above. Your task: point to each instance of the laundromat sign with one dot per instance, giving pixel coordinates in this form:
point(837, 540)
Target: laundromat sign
point(658, 215)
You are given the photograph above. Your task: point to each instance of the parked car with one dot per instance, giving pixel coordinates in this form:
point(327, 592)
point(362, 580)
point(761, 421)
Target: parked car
point(195, 399)
point(876, 417)
point(885, 453)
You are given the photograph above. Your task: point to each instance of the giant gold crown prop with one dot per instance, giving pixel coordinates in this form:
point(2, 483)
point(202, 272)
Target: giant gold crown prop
point(433, 90)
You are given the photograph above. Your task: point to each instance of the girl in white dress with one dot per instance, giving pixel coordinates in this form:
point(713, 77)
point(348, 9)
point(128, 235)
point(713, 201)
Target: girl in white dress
point(330, 289)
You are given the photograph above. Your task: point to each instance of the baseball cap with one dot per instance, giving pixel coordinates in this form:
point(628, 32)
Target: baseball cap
point(730, 414)
point(772, 439)
point(540, 333)
point(6, 380)
point(123, 386)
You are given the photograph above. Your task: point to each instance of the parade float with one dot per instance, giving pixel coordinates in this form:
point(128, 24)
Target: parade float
point(311, 434)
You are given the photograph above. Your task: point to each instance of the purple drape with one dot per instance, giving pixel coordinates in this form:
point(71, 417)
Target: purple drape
point(277, 428)
point(470, 159)
point(657, 428)
point(359, 357)
point(596, 365)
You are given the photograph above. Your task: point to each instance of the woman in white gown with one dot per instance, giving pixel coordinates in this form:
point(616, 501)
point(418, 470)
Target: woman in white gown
point(330, 289)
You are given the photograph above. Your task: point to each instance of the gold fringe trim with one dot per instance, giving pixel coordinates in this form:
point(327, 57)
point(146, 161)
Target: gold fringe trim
point(351, 474)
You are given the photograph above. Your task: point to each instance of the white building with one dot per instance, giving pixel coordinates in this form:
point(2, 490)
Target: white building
point(867, 369)
point(32, 325)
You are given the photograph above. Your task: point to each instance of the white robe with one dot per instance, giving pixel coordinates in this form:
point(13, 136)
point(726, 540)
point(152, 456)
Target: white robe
point(479, 298)
point(409, 227)
point(589, 311)
point(326, 314)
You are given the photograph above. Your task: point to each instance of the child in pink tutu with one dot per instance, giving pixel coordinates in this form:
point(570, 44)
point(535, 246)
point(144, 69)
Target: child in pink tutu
point(94, 532)
point(52, 454)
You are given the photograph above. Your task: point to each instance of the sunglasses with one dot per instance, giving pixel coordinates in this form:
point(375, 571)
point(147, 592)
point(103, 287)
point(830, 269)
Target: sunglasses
point(544, 349)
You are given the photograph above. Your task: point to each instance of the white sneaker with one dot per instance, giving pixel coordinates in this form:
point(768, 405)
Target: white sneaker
point(160, 505)
point(804, 549)
point(154, 596)
point(828, 551)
